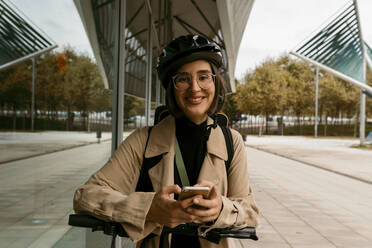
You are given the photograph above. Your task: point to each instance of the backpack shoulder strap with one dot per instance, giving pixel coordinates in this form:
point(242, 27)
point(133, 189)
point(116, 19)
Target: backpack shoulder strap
point(148, 137)
point(144, 182)
point(229, 146)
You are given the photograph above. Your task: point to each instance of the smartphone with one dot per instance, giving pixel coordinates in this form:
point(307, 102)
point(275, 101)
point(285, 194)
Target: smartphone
point(190, 191)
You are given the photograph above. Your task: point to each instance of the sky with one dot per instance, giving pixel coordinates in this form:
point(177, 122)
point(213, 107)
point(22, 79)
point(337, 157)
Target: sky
point(274, 27)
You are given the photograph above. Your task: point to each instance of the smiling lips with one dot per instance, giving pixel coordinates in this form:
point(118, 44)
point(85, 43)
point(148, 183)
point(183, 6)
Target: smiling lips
point(195, 100)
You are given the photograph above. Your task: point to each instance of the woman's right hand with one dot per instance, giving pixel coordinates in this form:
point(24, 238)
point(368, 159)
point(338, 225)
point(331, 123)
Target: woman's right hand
point(167, 211)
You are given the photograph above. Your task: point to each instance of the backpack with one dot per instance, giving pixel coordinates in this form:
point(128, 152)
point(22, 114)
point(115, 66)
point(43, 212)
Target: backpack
point(144, 182)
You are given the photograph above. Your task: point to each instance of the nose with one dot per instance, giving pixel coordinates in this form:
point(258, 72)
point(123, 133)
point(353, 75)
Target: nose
point(194, 85)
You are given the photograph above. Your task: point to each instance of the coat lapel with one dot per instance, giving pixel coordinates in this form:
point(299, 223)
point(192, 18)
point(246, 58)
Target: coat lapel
point(214, 166)
point(161, 141)
point(216, 144)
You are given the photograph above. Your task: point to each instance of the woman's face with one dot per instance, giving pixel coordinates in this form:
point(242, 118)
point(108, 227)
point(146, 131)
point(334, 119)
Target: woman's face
point(195, 101)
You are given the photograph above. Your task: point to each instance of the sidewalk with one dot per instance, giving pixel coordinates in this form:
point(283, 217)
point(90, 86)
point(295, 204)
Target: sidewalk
point(300, 205)
point(332, 154)
point(20, 145)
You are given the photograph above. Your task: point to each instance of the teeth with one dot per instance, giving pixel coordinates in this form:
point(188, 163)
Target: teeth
point(195, 99)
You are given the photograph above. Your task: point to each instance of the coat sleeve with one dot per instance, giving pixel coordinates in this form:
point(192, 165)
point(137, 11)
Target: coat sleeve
point(110, 195)
point(239, 208)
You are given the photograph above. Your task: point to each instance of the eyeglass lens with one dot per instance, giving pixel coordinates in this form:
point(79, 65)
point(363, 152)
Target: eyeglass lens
point(184, 80)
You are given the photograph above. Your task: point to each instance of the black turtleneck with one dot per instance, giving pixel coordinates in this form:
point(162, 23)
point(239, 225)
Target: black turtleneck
point(192, 142)
point(193, 145)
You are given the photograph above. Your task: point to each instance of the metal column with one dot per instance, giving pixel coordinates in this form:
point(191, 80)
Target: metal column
point(362, 127)
point(362, 96)
point(33, 94)
point(148, 69)
point(316, 102)
point(118, 86)
point(157, 91)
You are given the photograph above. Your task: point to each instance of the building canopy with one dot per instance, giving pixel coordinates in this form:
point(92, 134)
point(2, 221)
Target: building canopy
point(223, 21)
point(338, 45)
point(19, 39)
point(339, 48)
point(369, 55)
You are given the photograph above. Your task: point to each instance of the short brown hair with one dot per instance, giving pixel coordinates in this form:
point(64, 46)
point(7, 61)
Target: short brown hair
point(218, 99)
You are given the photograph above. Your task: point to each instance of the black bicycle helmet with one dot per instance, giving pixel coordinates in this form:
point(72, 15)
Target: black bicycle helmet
point(185, 49)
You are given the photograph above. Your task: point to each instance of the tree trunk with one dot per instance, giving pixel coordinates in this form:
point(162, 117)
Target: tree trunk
point(282, 123)
point(260, 126)
point(68, 117)
point(298, 124)
point(24, 121)
point(88, 122)
point(14, 118)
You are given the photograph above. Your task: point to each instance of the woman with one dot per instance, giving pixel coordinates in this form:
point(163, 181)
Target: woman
point(188, 69)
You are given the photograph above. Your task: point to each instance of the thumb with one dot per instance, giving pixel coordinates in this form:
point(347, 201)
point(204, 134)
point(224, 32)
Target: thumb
point(213, 193)
point(171, 189)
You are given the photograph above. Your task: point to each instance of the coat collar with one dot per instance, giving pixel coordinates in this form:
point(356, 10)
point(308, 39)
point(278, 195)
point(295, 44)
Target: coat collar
point(162, 136)
point(216, 144)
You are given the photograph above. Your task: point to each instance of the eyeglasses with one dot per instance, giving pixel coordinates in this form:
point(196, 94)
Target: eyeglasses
point(183, 81)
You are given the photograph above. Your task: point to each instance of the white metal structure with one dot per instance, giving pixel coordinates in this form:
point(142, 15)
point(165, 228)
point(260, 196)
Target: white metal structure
point(339, 49)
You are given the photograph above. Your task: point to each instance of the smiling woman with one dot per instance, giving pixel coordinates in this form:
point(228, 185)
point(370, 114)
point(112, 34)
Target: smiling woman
point(188, 148)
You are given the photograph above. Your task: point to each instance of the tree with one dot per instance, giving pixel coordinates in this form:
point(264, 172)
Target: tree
point(82, 83)
point(299, 87)
point(264, 91)
point(133, 106)
point(49, 85)
point(60, 86)
point(230, 107)
point(15, 88)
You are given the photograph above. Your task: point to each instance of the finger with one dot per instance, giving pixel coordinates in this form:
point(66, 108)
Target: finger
point(213, 193)
point(177, 212)
point(213, 200)
point(189, 201)
point(202, 212)
point(183, 217)
point(206, 203)
point(208, 207)
point(171, 189)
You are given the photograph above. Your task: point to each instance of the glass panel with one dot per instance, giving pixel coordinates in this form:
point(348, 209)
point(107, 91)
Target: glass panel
point(41, 169)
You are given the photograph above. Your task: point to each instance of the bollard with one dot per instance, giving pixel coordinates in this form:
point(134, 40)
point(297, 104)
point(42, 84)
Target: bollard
point(99, 136)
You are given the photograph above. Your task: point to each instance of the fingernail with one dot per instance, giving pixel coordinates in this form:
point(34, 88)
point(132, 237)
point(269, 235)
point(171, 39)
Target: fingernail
point(196, 200)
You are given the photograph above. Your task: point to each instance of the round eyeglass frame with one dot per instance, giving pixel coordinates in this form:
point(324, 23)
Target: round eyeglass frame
point(197, 81)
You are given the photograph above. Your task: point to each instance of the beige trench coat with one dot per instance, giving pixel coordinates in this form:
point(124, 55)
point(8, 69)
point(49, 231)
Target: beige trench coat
point(110, 192)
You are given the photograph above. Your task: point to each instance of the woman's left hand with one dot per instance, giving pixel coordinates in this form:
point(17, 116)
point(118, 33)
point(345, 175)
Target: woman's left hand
point(210, 208)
